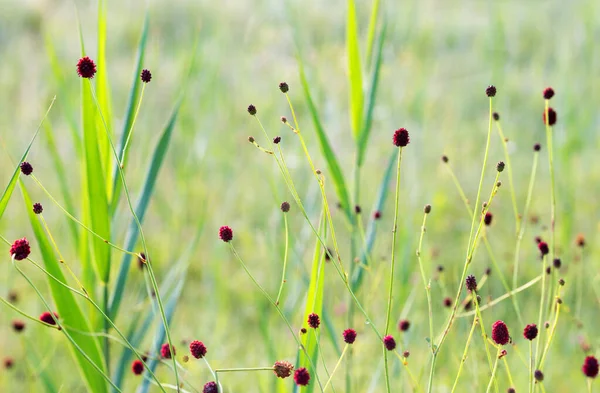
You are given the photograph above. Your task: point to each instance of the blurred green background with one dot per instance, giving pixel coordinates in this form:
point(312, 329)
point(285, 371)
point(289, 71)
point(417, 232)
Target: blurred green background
point(439, 57)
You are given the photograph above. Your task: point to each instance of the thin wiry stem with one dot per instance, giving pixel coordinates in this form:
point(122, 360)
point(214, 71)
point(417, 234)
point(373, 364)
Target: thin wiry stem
point(285, 258)
point(493, 378)
point(426, 284)
point(464, 357)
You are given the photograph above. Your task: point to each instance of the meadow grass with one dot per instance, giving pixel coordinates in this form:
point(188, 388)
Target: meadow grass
point(137, 179)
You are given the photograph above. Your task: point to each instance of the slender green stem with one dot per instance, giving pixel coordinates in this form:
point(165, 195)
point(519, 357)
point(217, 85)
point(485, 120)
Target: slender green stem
point(484, 336)
point(318, 341)
point(243, 369)
point(464, 357)
point(337, 365)
point(493, 378)
point(552, 185)
point(580, 285)
point(531, 363)
point(536, 156)
point(106, 344)
point(513, 197)
point(392, 266)
point(130, 133)
point(589, 384)
point(141, 234)
point(426, 283)
point(285, 258)
point(266, 294)
point(553, 330)
point(541, 313)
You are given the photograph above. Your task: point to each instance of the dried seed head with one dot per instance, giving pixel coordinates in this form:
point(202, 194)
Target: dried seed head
point(137, 367)
point(198, 349)
point(86, 68)
point(349, 336)
point(283, 369)
point(303, 331)
point(561, 282)
point(590, 367)
point(146, 76)
point(313, 321)
point(500, 333)
point(226, 233)
point(20, 249)
point(427, 209)
point(357, 209)
point(389, 343)
point(471, 283)
point(251, 139)
point(401, 137)
point(283, 119)
point(496, 116)
point(548, 93)
point(301, 376)
point(284, 87)
point(445, 159)
point(500, 166)
point(530, 332)
point(490, 91)
point(406, 354)
point(251, 110)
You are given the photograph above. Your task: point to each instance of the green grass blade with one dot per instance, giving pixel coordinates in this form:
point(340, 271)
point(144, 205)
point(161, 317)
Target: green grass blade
point(33, 361)
point(314, 304)
point(71, 315)
point(15, 176)
point(372, 226)
point(103, 95)
point(332, 162)
point(158, 157)
point(354, 71)
point(366, 130)
point(371, 34)
point(129, 115)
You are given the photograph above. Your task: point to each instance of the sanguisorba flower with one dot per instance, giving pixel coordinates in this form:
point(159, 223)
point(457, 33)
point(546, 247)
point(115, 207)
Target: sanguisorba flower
point(314, 321)
point(146, 76)
point(543, 247)
point(500, 333)
point(590, 367)
point(283, 369)
point(301, 376)
point(226, 233)
point(404, 325)
point(471, 283)
point(38, 208)
point(490, 91)
point(165, 351)
point(210, 387)
point(20, 249)
point(26, 168)
point(551, 118)
point(86, 68)
point(349, 336)
point(47, 318)
point(18, 325)
point(530, 332)
point(198, 349)
point(137, 367)
point(401, 137)
point(389, 342)
point(548, 93)
point(487, 219)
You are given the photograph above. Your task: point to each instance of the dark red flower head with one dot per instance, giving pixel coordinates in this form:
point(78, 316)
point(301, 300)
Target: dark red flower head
point(314, 321)
point(18, 325)
point(252, 110)
point(548, 93)
point(538, 375)
point(8, 363)
point(137, 367)
point(197, 349)
point(349, 336)
point(283, 369)
point(447, 302)
point(210, 387)
point(47, 317)
point(38, 208)
point(537, 147)
point(146, 76)
point(276, 140)
point(225, 233)
point(551, 117)
point(557, 263)
point(389, 342)
point(26, 168)
point(530, 332)
point(471, 283)
point(401, 138)
point(543, 247)
point(285, 207)
point(377, 215)
point(86, 68)
point(301, 376)
point(490, 91)
point(580, 240)
point(166, 352)
point(500, 333)
point(284, 87)
point(590, 367)
point(445, 159)
point(511, 390)
point(20, 249)
point(487, 219)
point(496, 116)
point(403, 325)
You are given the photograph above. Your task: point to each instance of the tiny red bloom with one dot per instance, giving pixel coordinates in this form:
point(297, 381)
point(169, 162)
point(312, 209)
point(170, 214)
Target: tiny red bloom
point(377, 215)
point(165, 351)
point(314, 321)
point(490, 91)
point(389, 342)
point(349, 336)
point(543, 247)
point(86, 68)
point(283, 369)
point(8, 363)
point(487, 219)
point(471, 283)
point(226, 233)
point(551, 120)
point(20, 249)
point(301, 376)
point(530, 332)
point(47, 317)
point(590, 367)
point(198, 349)
point(500, 333)
point(146, 76)
point(401, 137)
point(403, 325)
point(210, 387)
point(26, 168)
point(137, 367)
point(18, 325)
point(548, 93)
point(38, 208)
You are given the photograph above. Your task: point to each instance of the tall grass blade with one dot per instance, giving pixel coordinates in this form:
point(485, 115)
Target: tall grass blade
point(332, 162)
point(75, 321)
point(354, 72)
point(371, 33)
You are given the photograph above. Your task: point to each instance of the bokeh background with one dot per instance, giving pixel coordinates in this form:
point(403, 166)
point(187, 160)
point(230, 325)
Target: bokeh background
point(438, 59)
